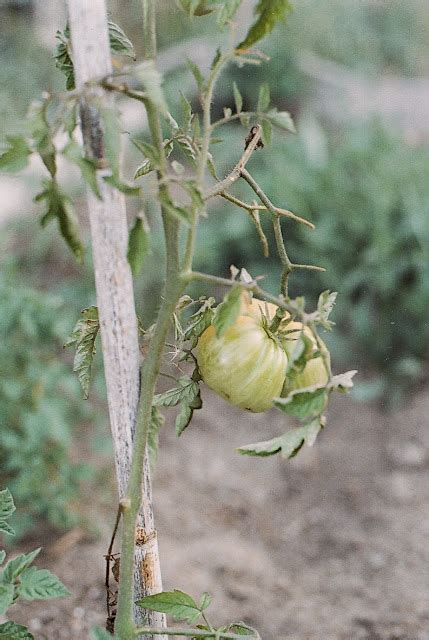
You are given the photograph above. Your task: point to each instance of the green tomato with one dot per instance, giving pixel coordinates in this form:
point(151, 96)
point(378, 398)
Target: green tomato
point(246, 365)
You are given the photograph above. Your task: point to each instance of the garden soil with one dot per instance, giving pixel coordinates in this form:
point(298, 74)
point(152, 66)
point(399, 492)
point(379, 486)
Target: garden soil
point(332, 545)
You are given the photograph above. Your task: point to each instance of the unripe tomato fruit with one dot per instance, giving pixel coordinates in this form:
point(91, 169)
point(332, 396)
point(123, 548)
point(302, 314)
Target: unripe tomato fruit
point(314, 371)
point(246, 365)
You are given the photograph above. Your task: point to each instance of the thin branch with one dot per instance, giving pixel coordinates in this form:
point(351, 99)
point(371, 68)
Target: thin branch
point(254, 215)
point(239, 167)
point(125, 90)
point(235, 116)
point(309, 267)
point(261, 207)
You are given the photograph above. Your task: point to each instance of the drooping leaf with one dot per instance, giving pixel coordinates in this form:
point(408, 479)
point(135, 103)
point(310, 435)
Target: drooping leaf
point(267, 132)
point(237, 98)
point(13, 631)
point(287, 444)
point(42, 136)
point(302, 352)
point(263, 98)
point(138, 244)
point(157, 422)
point(15, 158)
point(15, 567)
point(186, 392)
point(175, 603)
point(196, 72)
point(228, 311)
point(303, 403)
point(41, 584)
point(199, 322)
point(124, 187)
point(281, 119)
point(7, 506)
point(145, 168)
point(6, 597)
point(187, 408)
point(87, 166)
point(119, 41)
point(83, 339)
point(268, 14)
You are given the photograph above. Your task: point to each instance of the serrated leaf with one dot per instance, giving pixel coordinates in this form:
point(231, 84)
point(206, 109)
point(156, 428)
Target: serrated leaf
point(302, 352)
point(228, 311)
point(303, 403)
point(98, 633)
point(187, 147)
point(13, 631)
point(281, 119)
point(145, 168)
point(112, 137)
point(7, 506)
point(15, 158)
point(88, 167)
point(138, 244)
point(41, 584)
point(186, 392)
point(263, 98)
point(324, 307)
point(119, 41)
point(267, 132)
point(237, 98)
point(228, 9)
point(199, 324)
point(269, 13)
point(15, 567)
point(6, 597)
point(157, 421)
point(196, 72)
point(83, 339)
point(175, 603)
point(183, 418)
point(151, 80)
point(287, 444)
point(6, 528)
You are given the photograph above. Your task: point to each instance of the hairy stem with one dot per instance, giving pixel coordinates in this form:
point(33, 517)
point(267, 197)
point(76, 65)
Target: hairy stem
point(192, 633)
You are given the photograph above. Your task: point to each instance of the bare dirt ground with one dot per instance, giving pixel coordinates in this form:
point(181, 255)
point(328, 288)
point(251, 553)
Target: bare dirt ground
point(330, 546)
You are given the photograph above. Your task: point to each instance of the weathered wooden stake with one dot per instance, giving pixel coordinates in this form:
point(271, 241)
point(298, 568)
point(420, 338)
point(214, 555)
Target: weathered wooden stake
point(114, 286)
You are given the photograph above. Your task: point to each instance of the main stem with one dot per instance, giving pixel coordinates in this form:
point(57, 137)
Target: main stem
point(173, 288)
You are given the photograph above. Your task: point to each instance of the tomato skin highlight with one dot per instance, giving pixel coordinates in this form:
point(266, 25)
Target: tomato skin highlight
point(246, 366)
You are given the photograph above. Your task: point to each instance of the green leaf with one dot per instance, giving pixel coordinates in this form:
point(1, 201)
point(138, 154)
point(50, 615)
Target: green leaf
point(237, 98)
point(288, 444)
point(186, 392)
point(324, 307)
point(187, 147)
point(13, 631)
point(148, 150)
point(88, 167)
point(6, 597)
point(196, 72)
point(263, 98)
point(228, 9)
point(83, 339)
point(2, 556)
point(303, 403)
point(119, 42)
point(186, 113)
point(175, 603)
point(269, 13)
point(15, 158)
point(180, 213)
point(120, 185)
point(157, 422)
point(281, 119)
point(40, 131)
point(228, 311)
point(138, 244)
point(41, 584)
point(69, 227)
point(112, 137)
point(145, 168)
point(151, 80)
point(242, 629)
point(15, 567)
point(6, 528)
point(205, 601)
point(216, 58)
point(183, 418)
point(98, 633)
point(302, 352)
point(267, 132)
point(7, 506)
point(199, 323)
